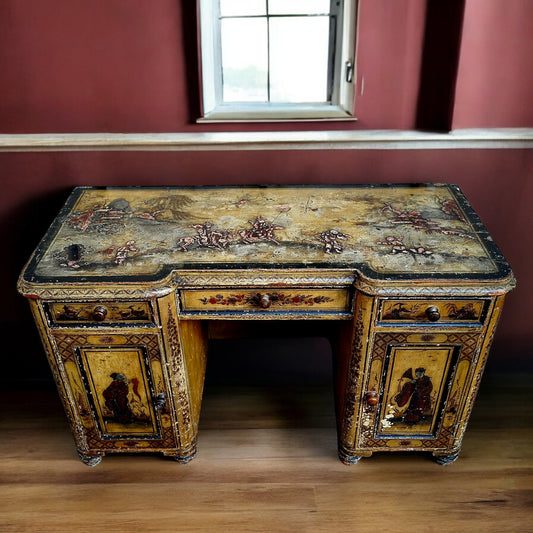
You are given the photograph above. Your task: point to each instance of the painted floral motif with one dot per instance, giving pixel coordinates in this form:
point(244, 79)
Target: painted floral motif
point(401, 311)
point(122, 252)
point(109, 218)
point(68, 313)
point(165, 207)
point(330, 239)
point(451, 208)
point(374, 229)
point(83, 220)
point(261, 230)
point(101, 217)
point(398, 247)
point(467, 312)
point(206, 237)
point(418, 222)
point(255, 299)
point(86, 312)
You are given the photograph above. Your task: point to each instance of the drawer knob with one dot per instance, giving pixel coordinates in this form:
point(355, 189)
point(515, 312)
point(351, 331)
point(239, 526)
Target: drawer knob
point(99, 313)
point(372, 398)
point(265, 301)
point(159, 401)
point(433, 313)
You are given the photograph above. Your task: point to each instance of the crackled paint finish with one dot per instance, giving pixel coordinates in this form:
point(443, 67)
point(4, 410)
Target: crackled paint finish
point(126, 281)
point(140, 232)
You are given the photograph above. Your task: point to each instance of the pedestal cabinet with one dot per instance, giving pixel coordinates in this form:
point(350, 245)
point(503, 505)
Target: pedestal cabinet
point(415, 373)
point(405, 281)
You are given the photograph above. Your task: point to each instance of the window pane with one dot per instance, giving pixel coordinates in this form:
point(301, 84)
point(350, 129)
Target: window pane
point(299, 59)
point(296, 7)
point(244, 60)
point(235, 8)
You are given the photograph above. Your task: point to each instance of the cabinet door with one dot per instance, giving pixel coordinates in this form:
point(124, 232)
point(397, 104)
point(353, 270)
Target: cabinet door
point(416, 389)
point(117, 390)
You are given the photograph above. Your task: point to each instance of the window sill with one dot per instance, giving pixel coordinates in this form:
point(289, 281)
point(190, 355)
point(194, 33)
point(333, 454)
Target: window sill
point(492, 138)
point(276, 113)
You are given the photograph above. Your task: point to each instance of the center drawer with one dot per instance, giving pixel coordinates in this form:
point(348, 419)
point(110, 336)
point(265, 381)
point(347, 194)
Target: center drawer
point(267, 300)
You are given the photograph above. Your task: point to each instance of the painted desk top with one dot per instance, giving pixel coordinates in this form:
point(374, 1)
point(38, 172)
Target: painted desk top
point(384, 231)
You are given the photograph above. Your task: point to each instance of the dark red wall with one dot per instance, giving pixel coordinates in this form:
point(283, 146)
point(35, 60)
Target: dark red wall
point(495, 80)
point(129, 66)
point(499, 184)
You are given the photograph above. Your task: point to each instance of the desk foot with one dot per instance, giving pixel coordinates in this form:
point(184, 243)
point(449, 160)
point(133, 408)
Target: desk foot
point(90, 460)
point(183, 457)
point(446, 459)
point(351, 458)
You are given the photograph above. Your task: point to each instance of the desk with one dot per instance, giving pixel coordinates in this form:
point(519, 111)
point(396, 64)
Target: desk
point(126, 281)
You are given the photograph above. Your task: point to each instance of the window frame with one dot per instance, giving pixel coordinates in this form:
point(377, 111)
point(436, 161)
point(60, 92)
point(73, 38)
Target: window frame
point(213, 109)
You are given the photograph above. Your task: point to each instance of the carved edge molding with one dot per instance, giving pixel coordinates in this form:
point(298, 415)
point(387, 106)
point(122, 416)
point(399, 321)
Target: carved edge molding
point(254, 278)
point(481, 138)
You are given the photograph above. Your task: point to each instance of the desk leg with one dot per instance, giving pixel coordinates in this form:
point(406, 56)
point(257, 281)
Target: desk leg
point(186, 352)
point(350, 349)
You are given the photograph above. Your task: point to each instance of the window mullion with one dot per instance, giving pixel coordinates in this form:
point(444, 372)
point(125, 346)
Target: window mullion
point(331, 56)
point(333, 52)
point(217, 54)
point(268, 48)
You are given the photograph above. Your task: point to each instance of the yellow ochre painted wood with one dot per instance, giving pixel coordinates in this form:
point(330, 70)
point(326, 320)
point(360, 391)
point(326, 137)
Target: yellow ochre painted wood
point(403, 280)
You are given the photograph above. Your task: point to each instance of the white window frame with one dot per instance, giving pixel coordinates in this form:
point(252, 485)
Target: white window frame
point(342, 102)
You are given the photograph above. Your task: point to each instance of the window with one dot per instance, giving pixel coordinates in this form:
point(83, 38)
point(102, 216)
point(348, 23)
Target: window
point(277, 59)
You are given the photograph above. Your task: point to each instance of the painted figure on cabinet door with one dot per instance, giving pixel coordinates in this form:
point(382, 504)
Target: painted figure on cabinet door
point(117, 399)
point(416, 392)
point(415, 386)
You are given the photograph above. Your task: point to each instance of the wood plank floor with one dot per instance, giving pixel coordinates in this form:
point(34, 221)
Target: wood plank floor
point(267, 462)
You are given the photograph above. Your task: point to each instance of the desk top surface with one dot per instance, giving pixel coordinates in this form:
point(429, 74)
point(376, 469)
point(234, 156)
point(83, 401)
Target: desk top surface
point(383, 231)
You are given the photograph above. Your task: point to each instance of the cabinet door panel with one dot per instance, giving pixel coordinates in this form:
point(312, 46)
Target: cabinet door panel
point(119, 384)
point(416, 379)
point(113, 381)
point(416, 388)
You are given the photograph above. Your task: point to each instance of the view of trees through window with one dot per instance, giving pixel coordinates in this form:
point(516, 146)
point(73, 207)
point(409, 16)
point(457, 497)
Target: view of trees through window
point(277, 51)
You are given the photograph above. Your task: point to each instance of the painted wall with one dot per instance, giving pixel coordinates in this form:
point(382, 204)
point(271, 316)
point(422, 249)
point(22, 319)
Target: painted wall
point(499, 184)
point(495, 78)
point(129, 66)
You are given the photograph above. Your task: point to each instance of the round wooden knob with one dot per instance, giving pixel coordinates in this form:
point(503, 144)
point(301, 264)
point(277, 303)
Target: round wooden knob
point(99, 313)
point(160, 401)
point(265, 301)
point(372, 398)
point(433, 313)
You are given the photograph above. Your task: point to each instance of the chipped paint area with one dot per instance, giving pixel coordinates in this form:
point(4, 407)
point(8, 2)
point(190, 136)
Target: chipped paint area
point(386, 422)
point(367, 420)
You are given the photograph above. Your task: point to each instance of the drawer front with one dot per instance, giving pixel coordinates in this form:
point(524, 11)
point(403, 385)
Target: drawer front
point(433, 311)
point(266, 300)
point(63, 313)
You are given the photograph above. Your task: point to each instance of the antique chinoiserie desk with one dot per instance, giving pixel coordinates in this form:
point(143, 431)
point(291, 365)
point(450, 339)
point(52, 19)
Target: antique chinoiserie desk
point(404, 279)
